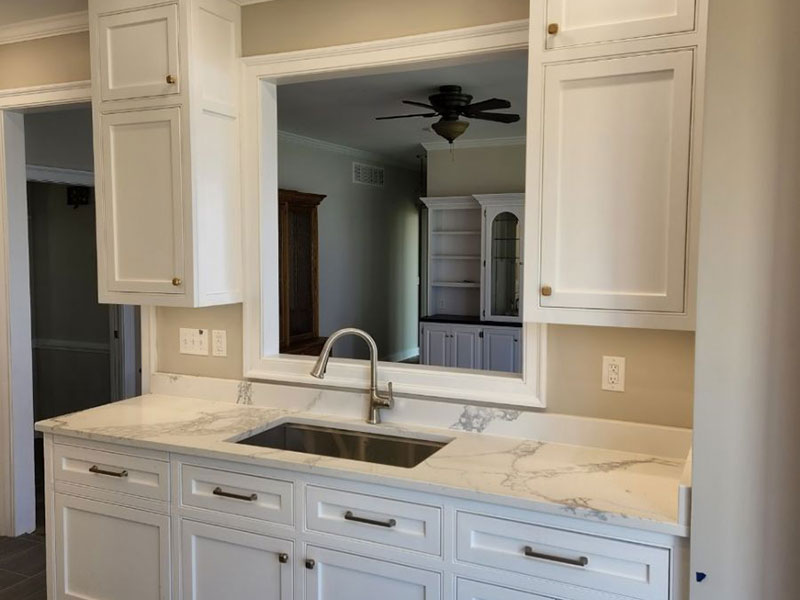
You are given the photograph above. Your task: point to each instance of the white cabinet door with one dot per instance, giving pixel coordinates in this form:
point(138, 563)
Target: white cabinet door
point(436, 344)
point(334, 575)
point(472, 590)
point(107, 552)
point(615, 189)
point(465, 347)
point(501, 349)
point(226, 563)
point(140, 225)
point(574, 22)
point(139, 53)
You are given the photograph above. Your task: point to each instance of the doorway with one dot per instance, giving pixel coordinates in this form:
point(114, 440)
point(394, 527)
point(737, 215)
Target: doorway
point(67, 351)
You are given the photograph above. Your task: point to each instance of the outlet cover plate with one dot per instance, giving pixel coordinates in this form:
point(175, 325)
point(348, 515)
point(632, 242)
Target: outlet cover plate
point(613, 374)
point(219, 342)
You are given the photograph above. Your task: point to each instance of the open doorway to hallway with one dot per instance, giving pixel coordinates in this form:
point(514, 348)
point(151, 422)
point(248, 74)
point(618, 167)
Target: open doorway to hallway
point(83, 354)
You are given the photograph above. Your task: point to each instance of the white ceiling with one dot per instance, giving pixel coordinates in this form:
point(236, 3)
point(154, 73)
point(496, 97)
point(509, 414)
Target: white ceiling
point(16, 11)
point(343, 111)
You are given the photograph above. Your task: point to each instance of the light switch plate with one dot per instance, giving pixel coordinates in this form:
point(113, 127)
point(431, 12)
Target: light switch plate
point(193, 341)
point(613, 373)
point(219, 342)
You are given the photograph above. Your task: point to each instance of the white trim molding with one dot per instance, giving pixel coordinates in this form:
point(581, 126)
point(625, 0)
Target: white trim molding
point(259, 155)
point(392, 54)
point(35, 29)
point(71, 92)
point(46, 174)
point(485, 143)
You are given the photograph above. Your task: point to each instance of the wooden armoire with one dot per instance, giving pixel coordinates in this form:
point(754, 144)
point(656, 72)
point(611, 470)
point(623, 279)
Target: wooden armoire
point(299, 272)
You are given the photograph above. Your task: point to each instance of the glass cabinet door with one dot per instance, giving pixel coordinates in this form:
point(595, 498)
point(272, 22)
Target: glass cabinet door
point(503, 296)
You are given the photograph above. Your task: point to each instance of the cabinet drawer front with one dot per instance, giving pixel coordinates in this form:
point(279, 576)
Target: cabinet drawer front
point(374, 519)
point(332, 575)
point(107, 551)
point(473, 590)
point(238, 494)
point(592, 21)
point(110, 471)
point(601, 564)
point(139, 53)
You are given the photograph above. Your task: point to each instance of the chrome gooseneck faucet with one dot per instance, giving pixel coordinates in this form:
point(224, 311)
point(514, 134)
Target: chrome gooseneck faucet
point(377, 400)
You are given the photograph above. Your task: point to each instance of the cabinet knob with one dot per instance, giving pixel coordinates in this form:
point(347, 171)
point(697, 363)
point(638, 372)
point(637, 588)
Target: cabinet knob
point(176, 281)
point(547, 290)
point(310, 563)
point(171, 79)
point(283, 557)
point(552, 29)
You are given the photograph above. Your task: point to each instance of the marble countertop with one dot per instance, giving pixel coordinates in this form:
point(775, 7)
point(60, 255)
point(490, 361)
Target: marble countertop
point(610, 486)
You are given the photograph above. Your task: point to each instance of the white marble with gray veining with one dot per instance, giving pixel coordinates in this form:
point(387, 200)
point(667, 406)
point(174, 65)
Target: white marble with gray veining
point(612, 486)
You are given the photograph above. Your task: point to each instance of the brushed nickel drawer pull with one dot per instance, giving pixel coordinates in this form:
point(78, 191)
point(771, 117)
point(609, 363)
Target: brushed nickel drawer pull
point(98, 471)
point(349, 516)
point(581, 561)
point(218, 491)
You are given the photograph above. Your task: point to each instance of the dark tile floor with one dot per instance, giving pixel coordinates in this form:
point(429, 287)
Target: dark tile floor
point(22, 567)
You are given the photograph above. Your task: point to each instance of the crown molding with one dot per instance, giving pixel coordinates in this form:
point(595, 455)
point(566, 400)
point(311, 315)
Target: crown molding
point(35, 29)
point(364, 155)
point(45, 174)
point(485, 143)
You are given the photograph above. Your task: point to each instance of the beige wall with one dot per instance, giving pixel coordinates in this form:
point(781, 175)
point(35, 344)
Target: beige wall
point(283, 25)
point(170, 320)
point(494, 170)
point(56, 59)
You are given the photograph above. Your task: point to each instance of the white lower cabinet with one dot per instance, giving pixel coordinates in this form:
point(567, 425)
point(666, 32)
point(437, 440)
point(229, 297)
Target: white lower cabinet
point(482, 347)
point(110, 552)
point(473, 590)
point(218, 562)
point(275, 534)
point(333, 575)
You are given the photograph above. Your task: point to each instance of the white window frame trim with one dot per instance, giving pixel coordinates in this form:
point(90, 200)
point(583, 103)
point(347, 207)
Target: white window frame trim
point(261, 74)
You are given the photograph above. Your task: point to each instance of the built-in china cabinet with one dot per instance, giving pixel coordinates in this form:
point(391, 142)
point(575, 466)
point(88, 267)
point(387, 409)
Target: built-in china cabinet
point(474, 283)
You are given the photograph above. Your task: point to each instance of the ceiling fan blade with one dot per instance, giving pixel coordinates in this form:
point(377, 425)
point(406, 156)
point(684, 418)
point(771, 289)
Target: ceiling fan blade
point(491, 104)
point(426, 115)
point(422, 104)
point(497, 117)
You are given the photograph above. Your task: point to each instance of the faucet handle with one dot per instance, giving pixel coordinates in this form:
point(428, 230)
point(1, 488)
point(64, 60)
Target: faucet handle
point(391, 394)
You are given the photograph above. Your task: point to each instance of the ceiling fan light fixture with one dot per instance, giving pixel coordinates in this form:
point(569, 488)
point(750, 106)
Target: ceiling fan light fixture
point(450, 130)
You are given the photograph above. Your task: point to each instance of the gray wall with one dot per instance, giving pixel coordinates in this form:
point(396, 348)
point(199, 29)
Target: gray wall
point(368, 248)
point(60, 139)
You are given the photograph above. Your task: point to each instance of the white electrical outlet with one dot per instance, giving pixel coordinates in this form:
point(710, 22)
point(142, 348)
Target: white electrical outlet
point(441, 305)
point(194, 341)
point(219, 342)
point(613, 373)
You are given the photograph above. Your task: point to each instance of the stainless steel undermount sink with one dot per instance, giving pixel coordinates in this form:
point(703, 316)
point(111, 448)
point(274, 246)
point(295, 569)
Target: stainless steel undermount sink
point(346, 443)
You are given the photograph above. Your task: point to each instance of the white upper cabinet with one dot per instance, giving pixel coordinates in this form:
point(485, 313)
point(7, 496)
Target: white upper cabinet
point(139, 53)
point(578, 22)
point(615, 188)
point(142, 208)
point(167, 151)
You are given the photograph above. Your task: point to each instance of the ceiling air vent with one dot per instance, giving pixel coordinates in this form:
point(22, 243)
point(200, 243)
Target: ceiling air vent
point(368, 175)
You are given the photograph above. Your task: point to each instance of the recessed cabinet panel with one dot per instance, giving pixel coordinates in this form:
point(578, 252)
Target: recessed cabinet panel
point(472, 590)
point(139, 53)
point(436, 345)
point(108, 552)
point(590, 21)
point(615, 183)
point(142, 201)
point(502, 349)
point(225, 563)
point(466, 346)
point(339, 575)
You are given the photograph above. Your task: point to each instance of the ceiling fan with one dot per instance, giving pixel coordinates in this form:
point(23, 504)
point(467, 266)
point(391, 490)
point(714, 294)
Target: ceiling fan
point(450, 104)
